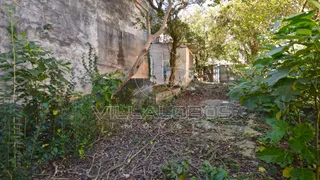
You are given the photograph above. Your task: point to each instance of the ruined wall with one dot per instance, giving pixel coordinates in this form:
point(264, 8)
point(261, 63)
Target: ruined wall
point(160, 59)
point(67, 26)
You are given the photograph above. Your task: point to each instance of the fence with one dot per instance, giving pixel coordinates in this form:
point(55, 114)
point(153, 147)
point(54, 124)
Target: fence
point(217, 74)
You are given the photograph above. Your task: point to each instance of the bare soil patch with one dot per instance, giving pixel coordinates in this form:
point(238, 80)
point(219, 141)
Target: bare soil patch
point(140, 149)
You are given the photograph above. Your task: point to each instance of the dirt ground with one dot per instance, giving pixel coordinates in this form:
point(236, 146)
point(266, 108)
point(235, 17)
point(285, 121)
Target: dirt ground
point(214, 129)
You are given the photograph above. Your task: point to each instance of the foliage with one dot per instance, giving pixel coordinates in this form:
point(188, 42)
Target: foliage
point(244, 22)
point(233, 32)
point(284, 83)
point(178, 170)
point(210, 172)
point(34, 90)
point(103, 85)
point(41, 118)
point(177, 30)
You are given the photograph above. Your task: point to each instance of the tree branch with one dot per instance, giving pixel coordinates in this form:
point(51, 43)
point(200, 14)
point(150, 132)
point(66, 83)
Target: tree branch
point(14, 1)
point(151, 37)
point(148, 24)
point(165, 20)
point(138, 2)
point(304, 5)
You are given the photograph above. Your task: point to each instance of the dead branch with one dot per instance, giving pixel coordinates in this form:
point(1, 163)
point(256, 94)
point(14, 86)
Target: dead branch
point(144, 147)
point(56, 169)
point(304, 5)
point(14, 1)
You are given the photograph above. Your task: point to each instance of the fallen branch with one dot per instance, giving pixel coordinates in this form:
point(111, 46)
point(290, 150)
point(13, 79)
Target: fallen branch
point(128, 160)
point(144, 147)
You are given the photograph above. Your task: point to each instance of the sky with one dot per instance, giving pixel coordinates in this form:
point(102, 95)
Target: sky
point(191, 9)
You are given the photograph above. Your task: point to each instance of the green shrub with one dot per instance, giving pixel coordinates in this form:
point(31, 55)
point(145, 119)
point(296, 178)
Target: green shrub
point(38, 120)
point(104, 86)
point(33, 92)
point(284, 83)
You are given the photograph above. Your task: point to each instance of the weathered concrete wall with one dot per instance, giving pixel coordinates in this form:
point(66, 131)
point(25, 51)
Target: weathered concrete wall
point(67, 26)
point(160, 58)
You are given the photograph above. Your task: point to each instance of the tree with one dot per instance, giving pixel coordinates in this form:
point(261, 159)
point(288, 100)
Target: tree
point(245, 21)
point(178, 30)
point(156, 20)
point(231, 30)
point(199, 23)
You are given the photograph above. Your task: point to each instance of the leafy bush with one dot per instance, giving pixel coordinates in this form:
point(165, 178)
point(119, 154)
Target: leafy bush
point(103, 85)
point(34, 90)
point(38, 120)
point(284, 83)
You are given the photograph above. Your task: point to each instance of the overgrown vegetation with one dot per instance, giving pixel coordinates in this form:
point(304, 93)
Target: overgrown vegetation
point(234, 29)
point(284, 84)
point(42, 118)
point(180, 170)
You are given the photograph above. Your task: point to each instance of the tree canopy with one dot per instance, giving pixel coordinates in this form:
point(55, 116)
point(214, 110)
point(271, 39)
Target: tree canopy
point(232, 29)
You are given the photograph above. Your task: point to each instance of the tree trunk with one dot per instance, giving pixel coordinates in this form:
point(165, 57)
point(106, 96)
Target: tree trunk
point(173, 59)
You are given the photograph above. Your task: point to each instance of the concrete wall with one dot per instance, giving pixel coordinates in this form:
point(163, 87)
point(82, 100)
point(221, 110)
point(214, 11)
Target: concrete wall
point(160, 57)
point(189, 66)
point(108, 25)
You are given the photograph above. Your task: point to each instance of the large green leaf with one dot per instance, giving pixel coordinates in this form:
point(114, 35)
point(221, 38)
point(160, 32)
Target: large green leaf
point(286, 92)
point(301, 134)
point(302, 174)
point(276, 51)
point(262, 61)
point(277, 75)
point(34, 72)
point(308, 24)
point(277, 155)
point(297, 145)
point(238, 91)
point(272, 154)
point(304, 32)
point(279, 129)
point(316, 3)
point(299, 27)
point(303, 15)
point(41, 67)
point(309, 155)
point(254, 101)
point(222, 174)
